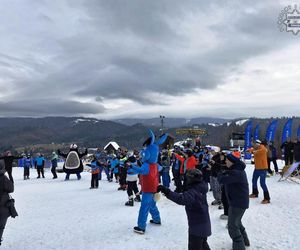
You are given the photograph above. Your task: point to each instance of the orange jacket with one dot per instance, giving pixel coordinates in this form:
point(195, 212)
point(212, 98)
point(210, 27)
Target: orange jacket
point(186, 164)
point(260, 157)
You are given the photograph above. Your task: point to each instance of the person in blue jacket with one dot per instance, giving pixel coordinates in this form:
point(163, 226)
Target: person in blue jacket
point(27, 165)
point(95, 170)
point(131, 180)
point(39, 164)
point(195, 201)
point(102, 158)
point(237, 191)
point(114, 166)
point(165, 163)
point(149, 177)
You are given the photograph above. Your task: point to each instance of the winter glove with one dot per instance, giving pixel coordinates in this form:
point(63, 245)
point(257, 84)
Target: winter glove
point(163, 189)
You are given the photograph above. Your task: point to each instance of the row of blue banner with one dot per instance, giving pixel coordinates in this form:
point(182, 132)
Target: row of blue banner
point(270, 133)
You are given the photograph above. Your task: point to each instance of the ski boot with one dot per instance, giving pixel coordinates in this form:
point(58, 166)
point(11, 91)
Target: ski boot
point(215, 203)
point(137, 198)
point(129, 203)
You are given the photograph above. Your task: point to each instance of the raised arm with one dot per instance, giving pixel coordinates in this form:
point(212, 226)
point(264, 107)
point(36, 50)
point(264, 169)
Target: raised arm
point(83, 154)
point(143, 170)
point(184, 199)
point(61, 154)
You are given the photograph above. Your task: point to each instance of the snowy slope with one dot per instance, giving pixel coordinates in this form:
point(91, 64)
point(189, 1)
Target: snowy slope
point(241, 122)
point(54, 214)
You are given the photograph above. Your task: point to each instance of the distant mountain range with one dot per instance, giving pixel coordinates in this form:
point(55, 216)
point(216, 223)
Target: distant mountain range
point(49, 133)
point(172, 122)
point(16, 132)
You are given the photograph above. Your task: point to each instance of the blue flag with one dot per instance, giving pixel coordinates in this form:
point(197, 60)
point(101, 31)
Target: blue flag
point(248, 135)
point(256, 132)
point(298, 132)
point(271, 131)
point(287, 130)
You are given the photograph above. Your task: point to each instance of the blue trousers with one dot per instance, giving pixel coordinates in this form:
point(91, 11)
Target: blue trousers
point(262, 175)
point(166, 179)
point(106, 170)
point(148, 205)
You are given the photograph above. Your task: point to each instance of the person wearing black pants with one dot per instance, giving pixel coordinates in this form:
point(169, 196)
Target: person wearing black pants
point(176, 173)
point(95, 180)
point(95, 170)
point(40, 170)
point(288, 148)
point(131, 179)
point(272, 157)
point(132, 188)
point(237, 191)
point(27, 164)
point(198, 243)
point(54, 160)
point(6, 187)
point(224, 203)
point(39, 163)
point(178, 182)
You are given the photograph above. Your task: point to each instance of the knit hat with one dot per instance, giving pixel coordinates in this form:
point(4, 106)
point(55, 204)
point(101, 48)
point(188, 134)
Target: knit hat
point(193, 176)
point(258, 141)
point(234, 156)
point(2, 167)
point(132, 159)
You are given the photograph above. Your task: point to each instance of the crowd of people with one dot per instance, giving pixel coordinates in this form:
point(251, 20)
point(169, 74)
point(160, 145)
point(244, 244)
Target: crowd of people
point(194, 170)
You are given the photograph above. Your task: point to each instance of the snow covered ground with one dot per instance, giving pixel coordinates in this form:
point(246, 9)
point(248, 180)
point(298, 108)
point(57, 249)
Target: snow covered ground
point(54, 214)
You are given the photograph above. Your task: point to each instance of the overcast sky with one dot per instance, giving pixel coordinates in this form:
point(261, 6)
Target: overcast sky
point(142, 58)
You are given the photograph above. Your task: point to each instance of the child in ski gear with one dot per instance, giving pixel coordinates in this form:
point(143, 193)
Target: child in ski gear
point(260, 171)
point(176, 164)
point(54, 160)
point(102, 158)
point(39, 164)
point(165, 163)
point(217, 163)
point(149, 182)
point(27, 164)
point(114, 165)
point(195, 201)
point(272, 157)
point(95, 169)
point(132, 178)
point(122, 172)
point(236, 186)
point(6, 187)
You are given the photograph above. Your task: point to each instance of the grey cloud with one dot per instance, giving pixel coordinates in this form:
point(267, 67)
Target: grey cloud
point(44, 107)
point(129, 49)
